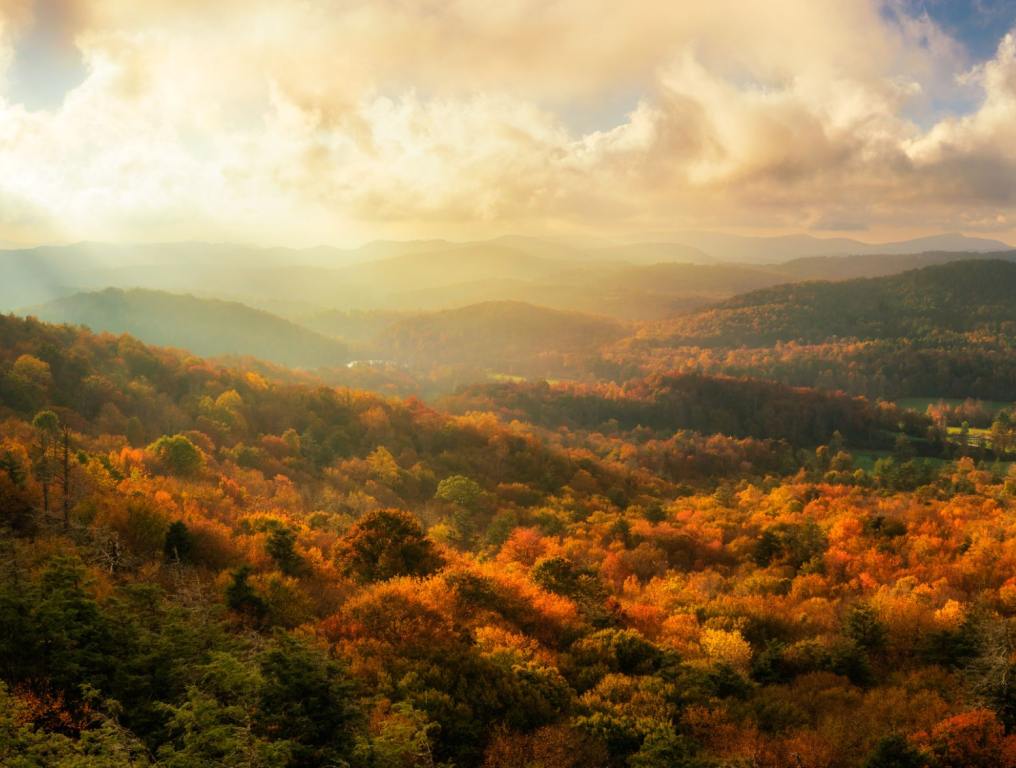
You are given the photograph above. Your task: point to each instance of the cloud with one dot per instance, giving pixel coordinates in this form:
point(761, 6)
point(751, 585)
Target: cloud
point(305, 121)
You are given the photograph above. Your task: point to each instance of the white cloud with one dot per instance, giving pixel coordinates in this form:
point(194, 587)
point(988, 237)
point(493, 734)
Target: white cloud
point(328, 121)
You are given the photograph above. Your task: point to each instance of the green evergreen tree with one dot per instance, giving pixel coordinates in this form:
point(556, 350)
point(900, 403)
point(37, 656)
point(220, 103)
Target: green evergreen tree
point(177, 545)
point(241, 597)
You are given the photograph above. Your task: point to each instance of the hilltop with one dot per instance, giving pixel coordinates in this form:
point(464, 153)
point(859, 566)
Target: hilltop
point(509, 336)
point(956, 297)
point(207, 327)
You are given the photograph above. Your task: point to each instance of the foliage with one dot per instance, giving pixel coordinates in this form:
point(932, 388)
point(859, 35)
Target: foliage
point(387, 543)
point(178, 453)
point(271, 582)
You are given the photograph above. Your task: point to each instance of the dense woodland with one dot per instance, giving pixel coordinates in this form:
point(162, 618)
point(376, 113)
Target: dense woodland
point(961, 297)
point(709, 404)
point(668, 422)
point(710, 541)
point(944, 331)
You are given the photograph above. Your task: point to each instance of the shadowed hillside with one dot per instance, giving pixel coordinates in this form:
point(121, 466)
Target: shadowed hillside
point(956, 297)
point(203, 326)
point(878, 265)
point(508, 336)
point(707, 404)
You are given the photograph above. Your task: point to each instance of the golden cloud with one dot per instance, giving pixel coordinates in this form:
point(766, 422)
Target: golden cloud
point(306, 121)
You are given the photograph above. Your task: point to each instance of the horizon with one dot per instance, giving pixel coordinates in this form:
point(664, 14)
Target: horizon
point(648, 238)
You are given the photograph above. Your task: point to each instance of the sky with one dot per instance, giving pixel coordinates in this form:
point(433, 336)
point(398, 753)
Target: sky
point(302, 122)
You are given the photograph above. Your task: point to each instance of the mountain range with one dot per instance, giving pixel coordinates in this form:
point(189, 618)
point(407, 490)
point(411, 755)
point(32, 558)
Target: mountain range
point(571, 274)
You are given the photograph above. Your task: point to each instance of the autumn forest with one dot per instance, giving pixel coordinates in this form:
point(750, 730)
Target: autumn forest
point(517, 384)
point(734, 535)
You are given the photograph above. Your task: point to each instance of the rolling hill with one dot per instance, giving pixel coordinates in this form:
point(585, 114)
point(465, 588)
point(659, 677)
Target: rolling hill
point(955, 297)
point(876, 264)
point(621, 291)
point(508, 336)
point(203, 326)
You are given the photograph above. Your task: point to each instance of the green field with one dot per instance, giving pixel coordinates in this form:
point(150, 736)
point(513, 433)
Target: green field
point(975, 436)
point(921, 404)
point(972, 431)
point(866, 459)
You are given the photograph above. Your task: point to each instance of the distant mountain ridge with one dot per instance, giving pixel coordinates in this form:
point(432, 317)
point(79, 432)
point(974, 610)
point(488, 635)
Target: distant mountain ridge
point(640, 279)
point(206, 327)
point(783, 248)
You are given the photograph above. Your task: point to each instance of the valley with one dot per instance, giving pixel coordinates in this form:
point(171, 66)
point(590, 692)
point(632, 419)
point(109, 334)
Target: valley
point(498, 527)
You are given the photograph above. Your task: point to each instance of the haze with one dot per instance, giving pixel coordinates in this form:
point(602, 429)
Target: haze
point(507, 383)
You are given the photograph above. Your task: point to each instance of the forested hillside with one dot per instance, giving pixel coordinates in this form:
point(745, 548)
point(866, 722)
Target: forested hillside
point(212, 566)
point(516, 384)
point(207, 327)
point(880, 264)
point(958, 297)
point(666, 404)
point(941, 331)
